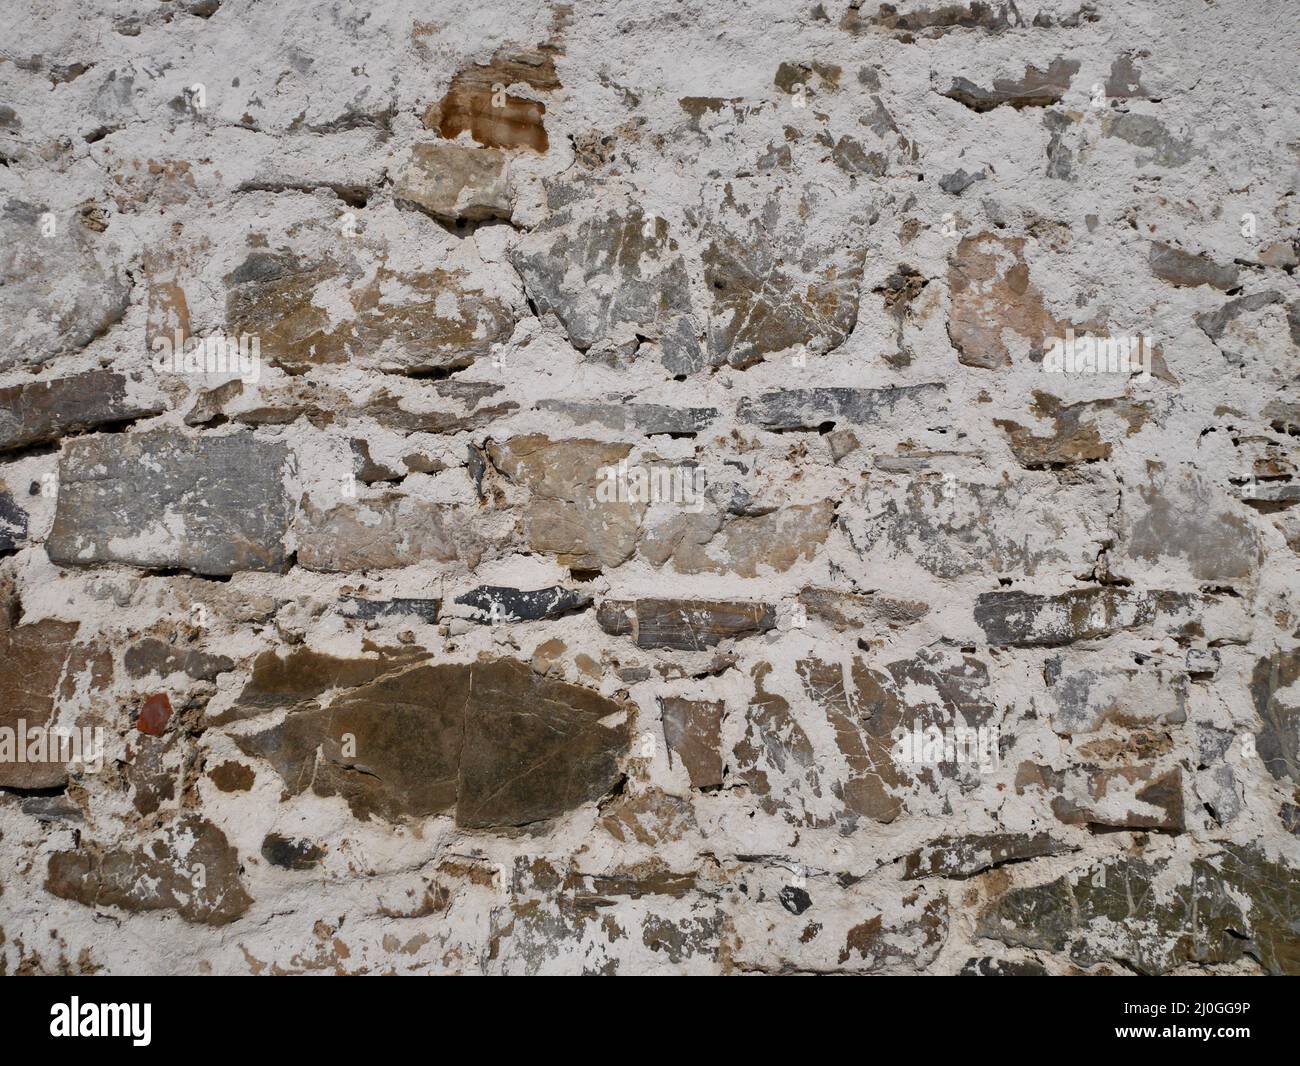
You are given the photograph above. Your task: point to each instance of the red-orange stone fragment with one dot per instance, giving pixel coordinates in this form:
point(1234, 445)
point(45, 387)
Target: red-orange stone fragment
point(155, 713)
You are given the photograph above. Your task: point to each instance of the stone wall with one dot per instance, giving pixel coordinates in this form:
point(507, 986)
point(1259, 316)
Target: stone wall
point(650, 487)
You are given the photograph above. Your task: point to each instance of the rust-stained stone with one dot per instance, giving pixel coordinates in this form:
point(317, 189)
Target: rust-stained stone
point(1129, 797)
point(685, 625)
point(1038, 88)
point(213, 505)
point(501, 744)
point(471, 102)
point(1076, 434)
point(421, 322)
point(1155, 915)
point(962, 857)
point(454, 183)
point(188, 867)
point(693, 731)
point(155, 713)
point(991, 295)
point(42, 411)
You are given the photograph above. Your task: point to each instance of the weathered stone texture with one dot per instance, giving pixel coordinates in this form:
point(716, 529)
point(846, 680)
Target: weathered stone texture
point(214, 505)
point(752, 489)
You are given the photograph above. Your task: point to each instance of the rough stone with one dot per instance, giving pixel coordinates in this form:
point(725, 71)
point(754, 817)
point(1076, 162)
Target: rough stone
point(453, 183)
point(43, 411)
point(686, 625)
point(157, 876)
point(213, 505)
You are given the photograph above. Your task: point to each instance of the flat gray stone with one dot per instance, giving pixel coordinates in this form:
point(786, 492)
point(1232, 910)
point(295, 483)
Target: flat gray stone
point(213, 505)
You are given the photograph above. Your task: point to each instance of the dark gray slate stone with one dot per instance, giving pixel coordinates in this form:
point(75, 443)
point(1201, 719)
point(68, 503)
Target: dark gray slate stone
point(213, 505)
point(647, 418)
point(959, 181)
point(424, 609)
point(811, 408)
point(41, 411)
point(515, 605)
point(1027, 620)
point(13, 524)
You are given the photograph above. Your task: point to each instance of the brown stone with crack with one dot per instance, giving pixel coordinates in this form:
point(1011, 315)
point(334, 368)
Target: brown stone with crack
point(501, 744)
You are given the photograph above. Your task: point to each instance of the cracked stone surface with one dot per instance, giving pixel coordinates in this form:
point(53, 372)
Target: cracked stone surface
point(561, 488)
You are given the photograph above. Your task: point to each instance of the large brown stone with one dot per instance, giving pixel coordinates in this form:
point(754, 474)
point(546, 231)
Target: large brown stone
point(429, 321)
point(502, 745)
point(35, 659)
point(693, 732)
point(188, 867)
